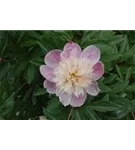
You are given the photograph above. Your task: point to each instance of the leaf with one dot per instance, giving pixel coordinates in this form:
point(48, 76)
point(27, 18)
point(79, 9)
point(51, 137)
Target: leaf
point(119, 72)
point(56, 110)
point(92, 115)
point(37, 64)
point(110, 78)
point(21, 36)
point(128, 75)
point(111, 57)
point(20, 67)
point(34, 34)
point(116, 39)
point(65, 35)
point(4, 47)
point(103, 106)
point(48, 115)
point(118, 114)
point(7, 106)
point(119, 86)
point(131, 88)
point(30, 73)
point(29, 43)
point(132, 106)
point(107, 49)
point(104, 88)
point(105, 34)
point(87, 36)
point(124, 46)
point(40, 91)
point(4, 68)
point(106, 98)
point(44, 50)
point(34, 99)
point(77, 115)
point(121, 102)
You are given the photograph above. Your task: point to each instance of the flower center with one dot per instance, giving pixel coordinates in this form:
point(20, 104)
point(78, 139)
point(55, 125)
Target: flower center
point(73, 75)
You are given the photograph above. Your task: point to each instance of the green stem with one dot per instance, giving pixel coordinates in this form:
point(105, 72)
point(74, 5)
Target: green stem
point(70, 113)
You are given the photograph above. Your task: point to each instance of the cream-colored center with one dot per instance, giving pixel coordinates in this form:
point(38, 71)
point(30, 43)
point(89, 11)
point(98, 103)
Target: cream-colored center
point(73, 75)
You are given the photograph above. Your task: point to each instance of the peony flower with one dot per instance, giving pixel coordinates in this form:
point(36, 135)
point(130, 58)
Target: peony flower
point(72, 73)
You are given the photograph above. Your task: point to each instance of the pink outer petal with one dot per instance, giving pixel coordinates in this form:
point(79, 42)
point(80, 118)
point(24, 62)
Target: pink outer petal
point(71, 49)
point(51, 87)
point(65, 98)
point(78, 101)
point(98, 70)
point(92, 53)
point(93, 89)
point(47, 72)
point(52, 58)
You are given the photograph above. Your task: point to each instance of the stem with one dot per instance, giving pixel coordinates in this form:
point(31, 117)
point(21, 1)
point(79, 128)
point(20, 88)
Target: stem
point(70, 113)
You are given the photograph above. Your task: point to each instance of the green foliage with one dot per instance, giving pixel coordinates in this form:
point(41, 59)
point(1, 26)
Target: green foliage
point(22, 95)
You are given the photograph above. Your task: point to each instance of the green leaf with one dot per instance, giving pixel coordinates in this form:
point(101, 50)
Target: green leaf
point(106, 98)
point(105, 34)
point(119, 72)
point(37, 64)
point(131, 88)
point(44, 50)
point(34, 34)
point(124, 46)
point(92, 115)
point(40, 91)
point(119, 86)
point(54, 109)
point(65, 35)
point(4, 68)
point(48, 115)
point(7, 107)
point(118, 114)
point(121, 102)
point(4, 47)
point(103, 106)
point(112, 57)
point(87, 36)
point(128, 75)
point(29, 43)
point(77, 115)
point(21, 36)
point(107, 49)
point(34, 100)
point(104, 88)
point(20, 67)
point(30, 73)
point(116, 39)
point(110, 78)
point(132, 106)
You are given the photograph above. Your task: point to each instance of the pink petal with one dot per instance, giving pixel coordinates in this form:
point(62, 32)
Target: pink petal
point(65, 98)
point(98, 70)
point(52, 58)
point(58, 92)
point(78, 101)
point(51, 87)
point(47, 72)
point(71, 49)
point(92, 53)
point(93, 89)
